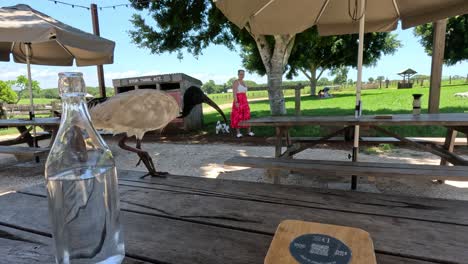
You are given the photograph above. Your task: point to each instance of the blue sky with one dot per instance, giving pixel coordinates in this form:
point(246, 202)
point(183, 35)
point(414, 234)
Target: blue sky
point(217, 62)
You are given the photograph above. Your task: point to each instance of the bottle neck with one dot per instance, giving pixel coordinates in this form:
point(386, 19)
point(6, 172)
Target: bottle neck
point(74, 104)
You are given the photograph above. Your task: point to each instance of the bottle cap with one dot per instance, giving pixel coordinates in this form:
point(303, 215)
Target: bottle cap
point(71, 82)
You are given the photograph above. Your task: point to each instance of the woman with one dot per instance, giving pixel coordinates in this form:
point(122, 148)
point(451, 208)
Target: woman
point(240, 105)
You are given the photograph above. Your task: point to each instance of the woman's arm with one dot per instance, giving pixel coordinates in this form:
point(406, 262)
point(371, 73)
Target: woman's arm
point(234, 91)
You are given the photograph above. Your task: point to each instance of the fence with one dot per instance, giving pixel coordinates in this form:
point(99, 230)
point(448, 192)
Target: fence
point(14, 110)
point(261, 92)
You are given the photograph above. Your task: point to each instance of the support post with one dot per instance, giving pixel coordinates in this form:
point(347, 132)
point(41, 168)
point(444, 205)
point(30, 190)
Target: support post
point(438, 47)
point(100, 68)
point(298, 100)
point(358, 109)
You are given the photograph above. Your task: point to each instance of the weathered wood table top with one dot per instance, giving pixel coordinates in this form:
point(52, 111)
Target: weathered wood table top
point(48, 121)
point(194, 220)
point(452, 119)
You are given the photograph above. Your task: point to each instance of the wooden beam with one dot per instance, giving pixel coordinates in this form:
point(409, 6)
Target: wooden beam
point(100, 68)
point(438, 47)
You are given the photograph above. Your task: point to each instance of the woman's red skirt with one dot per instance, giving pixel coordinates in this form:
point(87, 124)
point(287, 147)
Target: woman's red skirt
point(240, 113)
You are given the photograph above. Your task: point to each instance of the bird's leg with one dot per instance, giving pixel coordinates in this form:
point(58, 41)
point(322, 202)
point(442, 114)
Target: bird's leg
point(138, 146)
point(144, 156)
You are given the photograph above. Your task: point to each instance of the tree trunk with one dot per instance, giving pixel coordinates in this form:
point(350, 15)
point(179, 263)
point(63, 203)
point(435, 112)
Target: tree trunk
point(274, 59)
point(313, 82)
point(19, 93)
point(275, 93)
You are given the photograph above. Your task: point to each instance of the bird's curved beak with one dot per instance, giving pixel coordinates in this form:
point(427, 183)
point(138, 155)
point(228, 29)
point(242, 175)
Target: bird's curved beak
point(210, 102)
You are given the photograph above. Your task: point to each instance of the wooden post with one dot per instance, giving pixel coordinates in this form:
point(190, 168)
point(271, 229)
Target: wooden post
point(298, 100)
point(449, 144)
point(100, 68)
point(438, 47)
point(450, 79)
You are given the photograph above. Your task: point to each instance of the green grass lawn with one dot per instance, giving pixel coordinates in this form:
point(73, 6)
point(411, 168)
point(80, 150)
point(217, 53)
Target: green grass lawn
point(25, 101)
point(377, 101)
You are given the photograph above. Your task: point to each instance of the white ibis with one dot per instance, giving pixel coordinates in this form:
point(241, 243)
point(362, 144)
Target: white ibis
point(136, 112)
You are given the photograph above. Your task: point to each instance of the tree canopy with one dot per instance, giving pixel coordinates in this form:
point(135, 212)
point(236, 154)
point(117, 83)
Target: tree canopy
point(7, 95)
point(180, 24)
point(456, 39)
point(313, 54)
point(210, 87)
point(21, 82)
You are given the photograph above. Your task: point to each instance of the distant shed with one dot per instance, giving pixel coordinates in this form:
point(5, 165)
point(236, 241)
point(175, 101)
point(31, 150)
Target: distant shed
point(174, 84)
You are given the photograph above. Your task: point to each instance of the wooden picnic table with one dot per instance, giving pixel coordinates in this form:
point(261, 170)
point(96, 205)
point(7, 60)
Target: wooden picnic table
point(451, 120)
point(24, 126)
point(454, 122)
point(197, 220)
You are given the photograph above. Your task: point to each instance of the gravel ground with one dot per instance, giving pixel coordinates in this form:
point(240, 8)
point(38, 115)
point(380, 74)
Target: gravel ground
point(206, 160)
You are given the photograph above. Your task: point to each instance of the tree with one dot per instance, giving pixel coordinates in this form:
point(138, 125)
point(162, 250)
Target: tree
point(209, 87)
point(371, 80)
point(313, 54)
point(323, 81)
point(380, 79)
point(250, 83)
point(193, 25)
point(230, 82)
point(51, 93)
point(21, 82)
point(7, 94)
point(456, 39)
point(341, 75)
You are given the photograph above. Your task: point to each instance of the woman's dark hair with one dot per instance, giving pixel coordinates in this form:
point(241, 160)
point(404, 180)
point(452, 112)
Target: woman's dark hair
point(239, 71)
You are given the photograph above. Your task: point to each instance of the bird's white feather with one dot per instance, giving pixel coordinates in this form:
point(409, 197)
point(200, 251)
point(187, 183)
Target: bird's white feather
point(135, 112)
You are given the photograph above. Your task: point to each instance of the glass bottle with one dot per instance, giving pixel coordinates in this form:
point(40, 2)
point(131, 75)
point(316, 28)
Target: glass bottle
point(81, 180)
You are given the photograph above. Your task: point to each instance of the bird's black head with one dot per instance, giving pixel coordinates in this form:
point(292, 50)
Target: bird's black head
point(194, 96)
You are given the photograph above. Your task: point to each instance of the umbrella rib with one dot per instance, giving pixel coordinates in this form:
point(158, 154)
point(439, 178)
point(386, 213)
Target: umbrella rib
point(321, 11)
point(61, 45)
point(263, 7)
point(396, 8)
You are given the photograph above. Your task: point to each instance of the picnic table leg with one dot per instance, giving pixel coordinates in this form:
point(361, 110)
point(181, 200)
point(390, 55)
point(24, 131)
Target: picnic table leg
point(279, 142)
point(449, 144)
point(280, 133)
point(355, 156)
point(26, 135)
point(30, 140)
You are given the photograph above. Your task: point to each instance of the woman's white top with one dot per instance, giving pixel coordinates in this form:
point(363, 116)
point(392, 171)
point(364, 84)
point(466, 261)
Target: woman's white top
point(241, 88)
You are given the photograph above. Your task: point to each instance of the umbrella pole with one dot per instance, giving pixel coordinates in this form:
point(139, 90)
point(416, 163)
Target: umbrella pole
point(358, 109)
point(28, 63)
point(31, 101)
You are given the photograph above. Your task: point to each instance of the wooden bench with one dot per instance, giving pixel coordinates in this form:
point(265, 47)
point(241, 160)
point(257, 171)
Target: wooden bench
point(40, 135)
point(347, 168)
point(21, 152)
point(375, 140)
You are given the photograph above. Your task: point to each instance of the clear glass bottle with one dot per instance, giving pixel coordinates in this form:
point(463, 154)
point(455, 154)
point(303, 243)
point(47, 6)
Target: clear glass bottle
point(81, 180)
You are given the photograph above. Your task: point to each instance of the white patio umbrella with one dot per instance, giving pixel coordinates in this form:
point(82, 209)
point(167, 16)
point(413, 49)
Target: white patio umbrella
point(35, 38)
